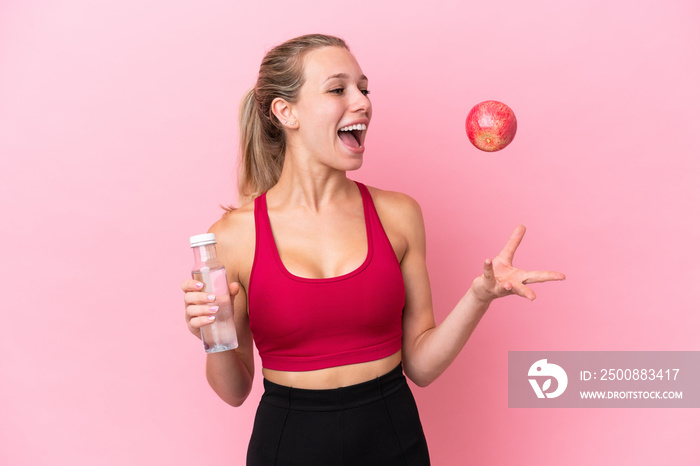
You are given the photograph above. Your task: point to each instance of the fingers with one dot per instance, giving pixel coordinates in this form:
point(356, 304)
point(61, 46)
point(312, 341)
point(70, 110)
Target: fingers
point(196, 323)
point(488, 270)
point(543, 276)
point(504, 289)
point(195, 295)
point(516, 237)
point(200, 307)
point(200, 310)
point(525, 292)
point(507, 288)
point(199, 297)
point(191, 285)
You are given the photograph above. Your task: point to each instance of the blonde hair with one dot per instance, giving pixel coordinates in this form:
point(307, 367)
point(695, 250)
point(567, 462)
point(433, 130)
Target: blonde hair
point(262, 137)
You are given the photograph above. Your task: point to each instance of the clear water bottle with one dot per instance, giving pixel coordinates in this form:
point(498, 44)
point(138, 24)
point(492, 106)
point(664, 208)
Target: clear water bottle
point(220, 335)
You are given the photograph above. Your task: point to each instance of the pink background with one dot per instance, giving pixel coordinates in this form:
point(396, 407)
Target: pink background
point(118, 139)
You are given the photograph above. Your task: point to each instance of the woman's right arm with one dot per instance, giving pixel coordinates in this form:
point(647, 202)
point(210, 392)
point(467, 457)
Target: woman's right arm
point(229, 373)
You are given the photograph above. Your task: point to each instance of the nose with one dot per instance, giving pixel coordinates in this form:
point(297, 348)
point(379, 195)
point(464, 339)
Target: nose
point(360, 102)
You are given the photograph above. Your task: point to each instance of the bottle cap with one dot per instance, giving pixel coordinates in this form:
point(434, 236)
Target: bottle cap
point(202, 240)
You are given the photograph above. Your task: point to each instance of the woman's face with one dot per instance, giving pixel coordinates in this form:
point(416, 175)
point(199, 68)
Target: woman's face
point(333, 96)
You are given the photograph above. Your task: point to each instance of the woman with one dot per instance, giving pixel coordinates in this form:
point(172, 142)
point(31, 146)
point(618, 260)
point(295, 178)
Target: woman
point(328, 276)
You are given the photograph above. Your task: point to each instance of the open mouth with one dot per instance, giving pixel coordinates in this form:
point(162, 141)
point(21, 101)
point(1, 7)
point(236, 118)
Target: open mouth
point(352, 135)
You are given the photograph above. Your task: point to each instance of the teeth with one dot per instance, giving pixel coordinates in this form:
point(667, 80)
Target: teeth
point(361, 127)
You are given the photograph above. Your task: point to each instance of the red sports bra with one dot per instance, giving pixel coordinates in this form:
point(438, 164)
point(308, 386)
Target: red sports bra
point(303, 324)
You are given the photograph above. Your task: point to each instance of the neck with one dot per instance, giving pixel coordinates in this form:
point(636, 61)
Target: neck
point(311, 188)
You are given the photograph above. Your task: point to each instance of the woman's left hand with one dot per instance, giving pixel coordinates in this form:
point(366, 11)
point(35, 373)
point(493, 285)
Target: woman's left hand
point(500, 278)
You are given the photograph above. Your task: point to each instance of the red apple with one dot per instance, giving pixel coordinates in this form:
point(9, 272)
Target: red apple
point(491, 125)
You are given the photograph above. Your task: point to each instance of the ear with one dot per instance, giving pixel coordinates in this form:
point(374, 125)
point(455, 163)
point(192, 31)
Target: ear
point(284, 113)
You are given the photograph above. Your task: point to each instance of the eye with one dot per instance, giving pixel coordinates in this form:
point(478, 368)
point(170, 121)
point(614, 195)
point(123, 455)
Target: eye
point(340, 90)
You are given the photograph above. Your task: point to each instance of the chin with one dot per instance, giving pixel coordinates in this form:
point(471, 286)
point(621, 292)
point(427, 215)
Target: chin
point(349, 167)
point(345, 161)
point(355, 167)
point(354, 164)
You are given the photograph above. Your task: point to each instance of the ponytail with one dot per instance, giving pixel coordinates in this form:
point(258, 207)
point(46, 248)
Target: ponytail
point(263, 140)
point(262, 150)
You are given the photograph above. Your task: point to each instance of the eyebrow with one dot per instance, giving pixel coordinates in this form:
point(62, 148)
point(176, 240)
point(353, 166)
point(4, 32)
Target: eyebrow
point(344, 76)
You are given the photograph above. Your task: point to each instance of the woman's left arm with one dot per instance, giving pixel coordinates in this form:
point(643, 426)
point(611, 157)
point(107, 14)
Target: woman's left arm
point(428, 349)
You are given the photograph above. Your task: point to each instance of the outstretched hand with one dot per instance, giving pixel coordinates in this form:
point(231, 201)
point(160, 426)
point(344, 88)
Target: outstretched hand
point(500, 278)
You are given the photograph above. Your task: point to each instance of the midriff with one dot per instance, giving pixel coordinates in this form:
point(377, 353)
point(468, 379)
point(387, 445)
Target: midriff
point(334, 377)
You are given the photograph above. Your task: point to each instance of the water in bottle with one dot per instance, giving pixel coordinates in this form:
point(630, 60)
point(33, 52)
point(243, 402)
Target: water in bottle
point(220, 335)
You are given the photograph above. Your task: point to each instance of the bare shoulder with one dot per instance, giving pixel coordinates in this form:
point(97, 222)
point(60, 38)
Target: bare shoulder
point(235, 238)
point(402, 219)
point(396, 207)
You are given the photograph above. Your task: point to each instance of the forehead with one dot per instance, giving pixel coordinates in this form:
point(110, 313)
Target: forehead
point(320, 64)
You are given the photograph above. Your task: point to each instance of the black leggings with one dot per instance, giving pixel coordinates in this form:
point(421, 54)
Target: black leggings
point(371, 423)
